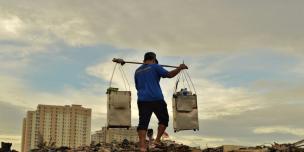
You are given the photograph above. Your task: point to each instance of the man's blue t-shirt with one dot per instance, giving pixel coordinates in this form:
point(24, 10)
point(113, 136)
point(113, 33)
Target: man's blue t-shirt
point(147, 78)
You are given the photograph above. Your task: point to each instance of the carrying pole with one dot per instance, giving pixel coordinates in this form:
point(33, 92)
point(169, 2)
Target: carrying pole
point(122, 62)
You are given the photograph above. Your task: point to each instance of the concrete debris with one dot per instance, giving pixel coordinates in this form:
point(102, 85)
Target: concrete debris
point(294, 147)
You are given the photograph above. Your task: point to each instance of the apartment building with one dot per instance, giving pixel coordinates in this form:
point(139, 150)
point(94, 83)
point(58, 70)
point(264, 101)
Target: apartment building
point(98, 137)
point(109, 135)
point(57, 125)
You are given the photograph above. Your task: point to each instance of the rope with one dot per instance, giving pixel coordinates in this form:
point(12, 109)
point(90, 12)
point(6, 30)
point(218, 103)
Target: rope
point(176, 82)
point(191, 82)
point(125, 77)
point(185, 76)
point(112, 75)
point(125, 70)
point(187, 80)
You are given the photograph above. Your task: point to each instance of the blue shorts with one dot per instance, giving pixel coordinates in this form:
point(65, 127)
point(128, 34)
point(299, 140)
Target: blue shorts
point(145, 109)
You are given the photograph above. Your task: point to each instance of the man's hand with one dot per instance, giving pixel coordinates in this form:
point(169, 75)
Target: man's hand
point(120, 61)
point(174, 72)
point(183, 66)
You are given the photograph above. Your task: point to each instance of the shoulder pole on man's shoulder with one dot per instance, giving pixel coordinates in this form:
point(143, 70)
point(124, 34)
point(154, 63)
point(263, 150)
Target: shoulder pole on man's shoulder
point(122, 62)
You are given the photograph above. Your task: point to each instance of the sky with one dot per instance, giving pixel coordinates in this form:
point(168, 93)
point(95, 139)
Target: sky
point(245, 57)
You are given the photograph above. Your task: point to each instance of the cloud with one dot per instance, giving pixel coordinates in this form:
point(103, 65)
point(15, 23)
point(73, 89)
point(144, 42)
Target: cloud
point(174, 27)
point(280, 129)
point(17, 93)
point(11, 123)
point(10, 138)
point(279, 92)
point(298, 69)
point(216, 100)
point(104, 71)
point(10, 26)
point(240, 127)
point(33, 30)
point(11, 118)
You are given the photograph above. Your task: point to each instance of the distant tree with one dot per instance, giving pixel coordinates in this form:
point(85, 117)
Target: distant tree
point(5, 147)
point(63, 148)
point(40, 143)
point(51, 144)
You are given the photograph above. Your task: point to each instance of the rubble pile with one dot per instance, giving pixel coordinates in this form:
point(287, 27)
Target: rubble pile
point(133, 147)
point(294, 147)
point(173, 147)
point(125, 146)
point(170, 146)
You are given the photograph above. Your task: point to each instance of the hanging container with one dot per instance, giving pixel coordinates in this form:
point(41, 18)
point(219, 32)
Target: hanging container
point(118, 105)
point(184, 103)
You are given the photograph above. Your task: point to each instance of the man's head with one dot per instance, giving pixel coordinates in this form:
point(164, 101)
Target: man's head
point(150, 57)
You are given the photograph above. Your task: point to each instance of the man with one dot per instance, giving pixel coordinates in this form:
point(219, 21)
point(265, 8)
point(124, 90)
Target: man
point(150, 97)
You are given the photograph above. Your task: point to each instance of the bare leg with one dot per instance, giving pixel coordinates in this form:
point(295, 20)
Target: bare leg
point(142, 140)
point(161, 130)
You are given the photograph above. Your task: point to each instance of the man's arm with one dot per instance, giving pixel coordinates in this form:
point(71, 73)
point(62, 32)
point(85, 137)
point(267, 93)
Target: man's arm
point(174, 72)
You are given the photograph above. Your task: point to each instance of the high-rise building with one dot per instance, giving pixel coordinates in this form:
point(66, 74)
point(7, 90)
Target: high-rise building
point(57, 125)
